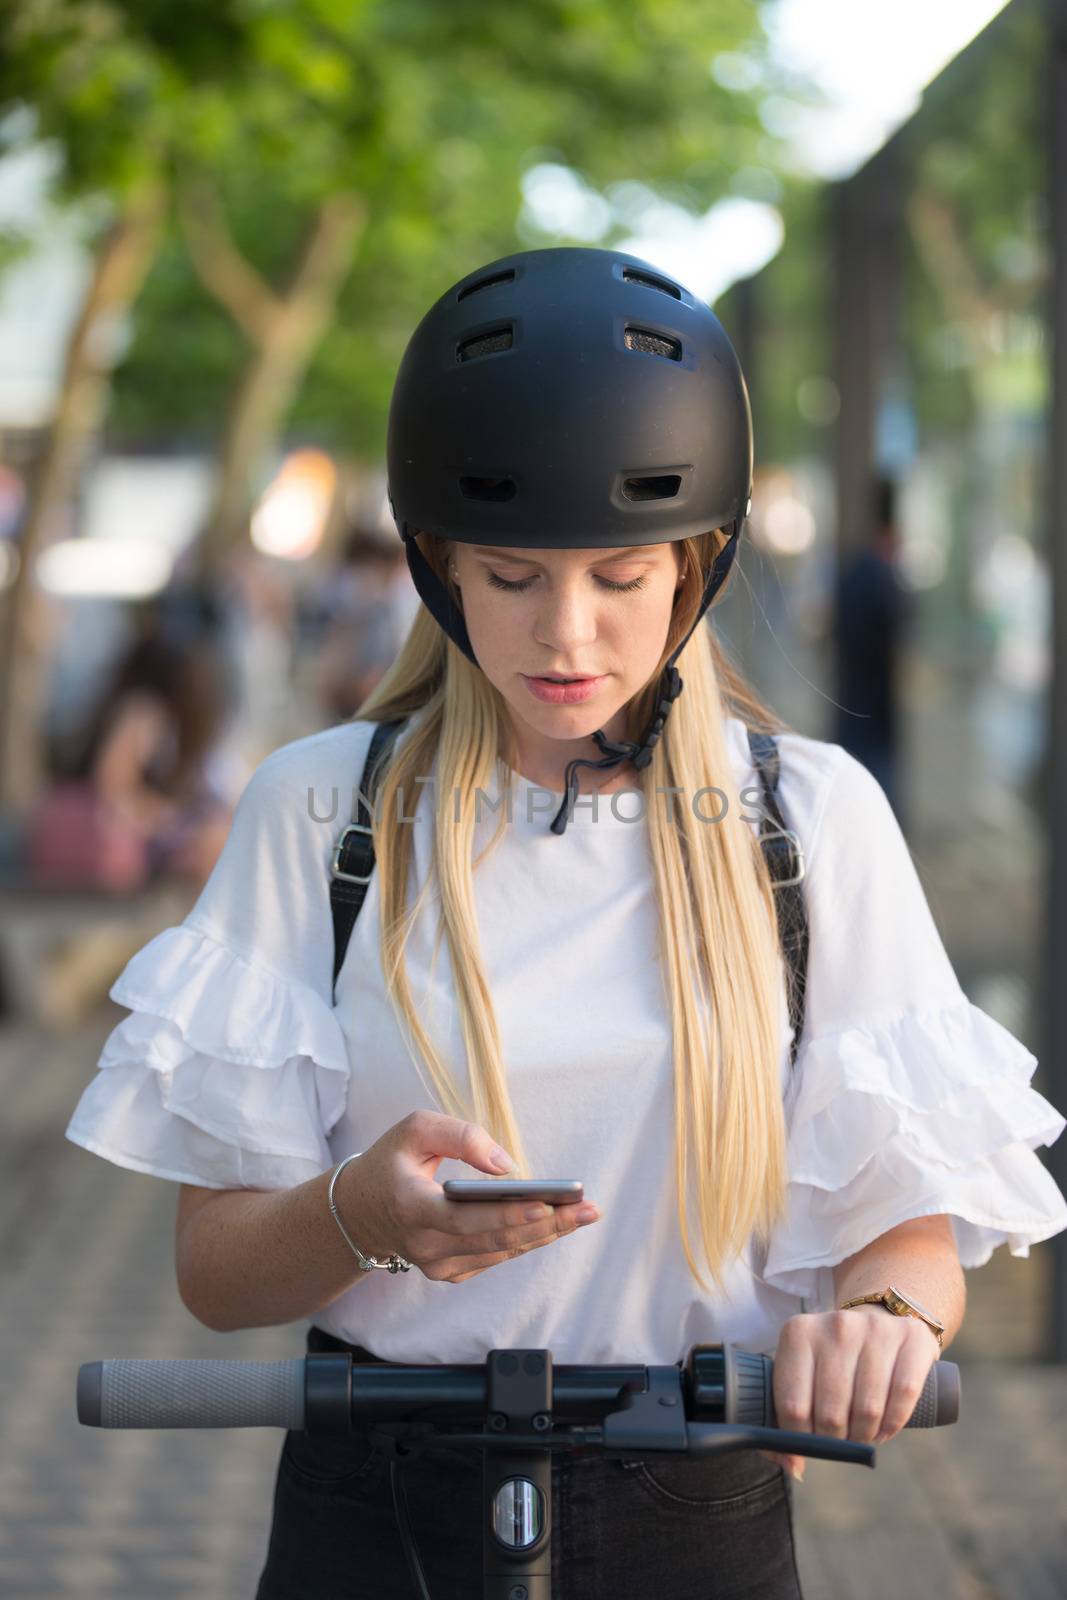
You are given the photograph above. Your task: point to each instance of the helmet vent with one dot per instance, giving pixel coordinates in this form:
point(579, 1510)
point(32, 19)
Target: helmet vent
point(631, 275)
point(484, 344)
point(653, 344)
point(652, 488)
point(487, 283)
point(487, 488)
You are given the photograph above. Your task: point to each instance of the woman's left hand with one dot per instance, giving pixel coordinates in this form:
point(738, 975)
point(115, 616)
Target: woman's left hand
point(852, 1374)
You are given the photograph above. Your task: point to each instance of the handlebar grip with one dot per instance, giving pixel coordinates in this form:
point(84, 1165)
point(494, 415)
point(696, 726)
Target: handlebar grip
point(192, 1394)
point(939, 1402)
point(750, 1392)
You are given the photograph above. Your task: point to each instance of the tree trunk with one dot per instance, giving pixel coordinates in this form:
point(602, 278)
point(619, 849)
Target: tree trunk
point(284, 328)
point(28, 621)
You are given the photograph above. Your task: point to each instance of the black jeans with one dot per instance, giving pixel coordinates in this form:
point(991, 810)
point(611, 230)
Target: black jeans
point(715, 1528)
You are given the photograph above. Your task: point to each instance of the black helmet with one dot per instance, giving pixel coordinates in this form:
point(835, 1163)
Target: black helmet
point(564, 399)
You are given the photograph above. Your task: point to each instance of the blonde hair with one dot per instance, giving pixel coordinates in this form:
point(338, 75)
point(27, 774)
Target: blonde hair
point(712, 886)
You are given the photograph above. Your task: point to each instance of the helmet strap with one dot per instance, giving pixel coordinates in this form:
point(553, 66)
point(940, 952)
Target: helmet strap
point(435, 596)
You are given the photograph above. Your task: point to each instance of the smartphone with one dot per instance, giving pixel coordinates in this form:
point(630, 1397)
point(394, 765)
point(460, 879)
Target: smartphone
point(553, 1191)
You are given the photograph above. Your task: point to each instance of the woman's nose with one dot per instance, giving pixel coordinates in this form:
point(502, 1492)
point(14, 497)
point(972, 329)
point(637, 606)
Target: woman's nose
point(565, 614)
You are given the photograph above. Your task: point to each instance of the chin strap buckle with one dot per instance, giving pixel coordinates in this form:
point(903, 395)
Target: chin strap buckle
point(669, 695)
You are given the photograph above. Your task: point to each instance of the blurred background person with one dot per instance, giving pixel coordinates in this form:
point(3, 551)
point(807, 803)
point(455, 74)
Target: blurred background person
point(874, 613)
point(365, 609)
point(261, 622)
point(145, 800)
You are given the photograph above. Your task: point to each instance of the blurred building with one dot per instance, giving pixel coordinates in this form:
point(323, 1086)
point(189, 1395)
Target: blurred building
point(914, 331)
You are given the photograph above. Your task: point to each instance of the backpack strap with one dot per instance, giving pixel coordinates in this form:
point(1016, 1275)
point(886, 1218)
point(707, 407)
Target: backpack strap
point(785, 862)
point(353, 864)
point(353, 854)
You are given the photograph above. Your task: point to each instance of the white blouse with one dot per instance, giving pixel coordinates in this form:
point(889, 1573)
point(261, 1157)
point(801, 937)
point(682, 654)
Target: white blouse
point(235, 1070)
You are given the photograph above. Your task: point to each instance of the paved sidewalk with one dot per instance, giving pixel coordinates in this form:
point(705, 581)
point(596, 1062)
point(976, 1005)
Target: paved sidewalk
point(973, 1512)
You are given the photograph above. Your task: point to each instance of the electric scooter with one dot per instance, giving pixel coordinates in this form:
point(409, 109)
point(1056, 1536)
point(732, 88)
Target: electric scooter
point(520, 1407)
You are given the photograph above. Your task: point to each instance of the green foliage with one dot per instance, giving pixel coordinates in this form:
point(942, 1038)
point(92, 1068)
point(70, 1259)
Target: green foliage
point(430, 112)
point(101, 91)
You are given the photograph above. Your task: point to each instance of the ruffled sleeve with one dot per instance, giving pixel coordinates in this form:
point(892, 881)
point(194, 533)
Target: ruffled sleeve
point(232, 1068)
point(906, 1099)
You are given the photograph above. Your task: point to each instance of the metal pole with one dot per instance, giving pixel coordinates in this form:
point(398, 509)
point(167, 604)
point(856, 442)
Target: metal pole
point(854, 432)
point(866, 228)
point(865, 213)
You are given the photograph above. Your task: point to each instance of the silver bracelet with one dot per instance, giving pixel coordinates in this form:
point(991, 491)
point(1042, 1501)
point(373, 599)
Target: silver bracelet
point(395, 1263)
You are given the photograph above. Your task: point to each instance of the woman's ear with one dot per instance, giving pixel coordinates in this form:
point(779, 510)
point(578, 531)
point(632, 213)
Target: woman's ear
point(453, 574)
point(682, 573)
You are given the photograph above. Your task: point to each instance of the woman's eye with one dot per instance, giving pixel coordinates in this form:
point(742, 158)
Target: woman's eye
point(524, 583)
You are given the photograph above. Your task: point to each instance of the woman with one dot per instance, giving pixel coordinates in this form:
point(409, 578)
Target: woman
point(569, 464)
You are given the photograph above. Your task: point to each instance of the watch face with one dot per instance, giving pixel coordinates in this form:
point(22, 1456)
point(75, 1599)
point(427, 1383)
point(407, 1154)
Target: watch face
point(908, 1300)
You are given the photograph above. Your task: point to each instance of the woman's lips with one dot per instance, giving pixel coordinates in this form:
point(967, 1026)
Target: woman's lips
point(562, 694)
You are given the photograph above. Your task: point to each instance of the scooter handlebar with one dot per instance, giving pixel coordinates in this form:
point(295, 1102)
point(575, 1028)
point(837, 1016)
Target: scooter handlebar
point(271, 1394)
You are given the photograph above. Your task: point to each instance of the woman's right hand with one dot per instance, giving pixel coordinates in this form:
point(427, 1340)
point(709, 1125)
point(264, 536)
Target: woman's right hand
point(390, 1203)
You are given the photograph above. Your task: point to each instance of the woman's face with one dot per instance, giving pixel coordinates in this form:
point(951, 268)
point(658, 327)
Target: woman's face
point(580, 613)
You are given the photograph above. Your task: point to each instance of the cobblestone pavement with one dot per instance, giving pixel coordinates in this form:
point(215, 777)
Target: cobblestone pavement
point(973, 1512)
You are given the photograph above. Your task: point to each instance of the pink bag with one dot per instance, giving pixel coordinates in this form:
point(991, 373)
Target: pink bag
point(74, 840)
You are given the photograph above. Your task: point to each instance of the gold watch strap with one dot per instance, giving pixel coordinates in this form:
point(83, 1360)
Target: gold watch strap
point(879, 1299)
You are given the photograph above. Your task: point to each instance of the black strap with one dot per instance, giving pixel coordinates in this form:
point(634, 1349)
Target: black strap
point(785, 861)
point(353, 854)
point(353, 864)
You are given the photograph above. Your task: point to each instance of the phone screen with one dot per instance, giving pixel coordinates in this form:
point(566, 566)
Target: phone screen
point(553, 1191)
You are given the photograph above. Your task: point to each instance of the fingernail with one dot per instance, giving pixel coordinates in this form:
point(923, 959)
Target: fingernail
point(797, 1472)
point(501, 1160)
point(587, 1213)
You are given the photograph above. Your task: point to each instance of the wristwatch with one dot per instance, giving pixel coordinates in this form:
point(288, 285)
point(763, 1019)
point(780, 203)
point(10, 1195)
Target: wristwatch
point(901, 1305)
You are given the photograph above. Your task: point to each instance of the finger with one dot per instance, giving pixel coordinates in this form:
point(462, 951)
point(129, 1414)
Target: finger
point(522, 1241)
point(871, 1384)
point(514, 1232)
point(428, 1137)
point(917, 1354)
point(489, 1227)
point(842, 1336)
point(793, 1380)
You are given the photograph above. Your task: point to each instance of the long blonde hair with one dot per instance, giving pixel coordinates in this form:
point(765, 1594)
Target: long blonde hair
point(712, 885)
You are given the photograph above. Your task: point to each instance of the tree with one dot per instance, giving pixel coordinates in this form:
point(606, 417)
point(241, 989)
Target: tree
point(115, 110)
point(422, 118)
point(336, 121)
